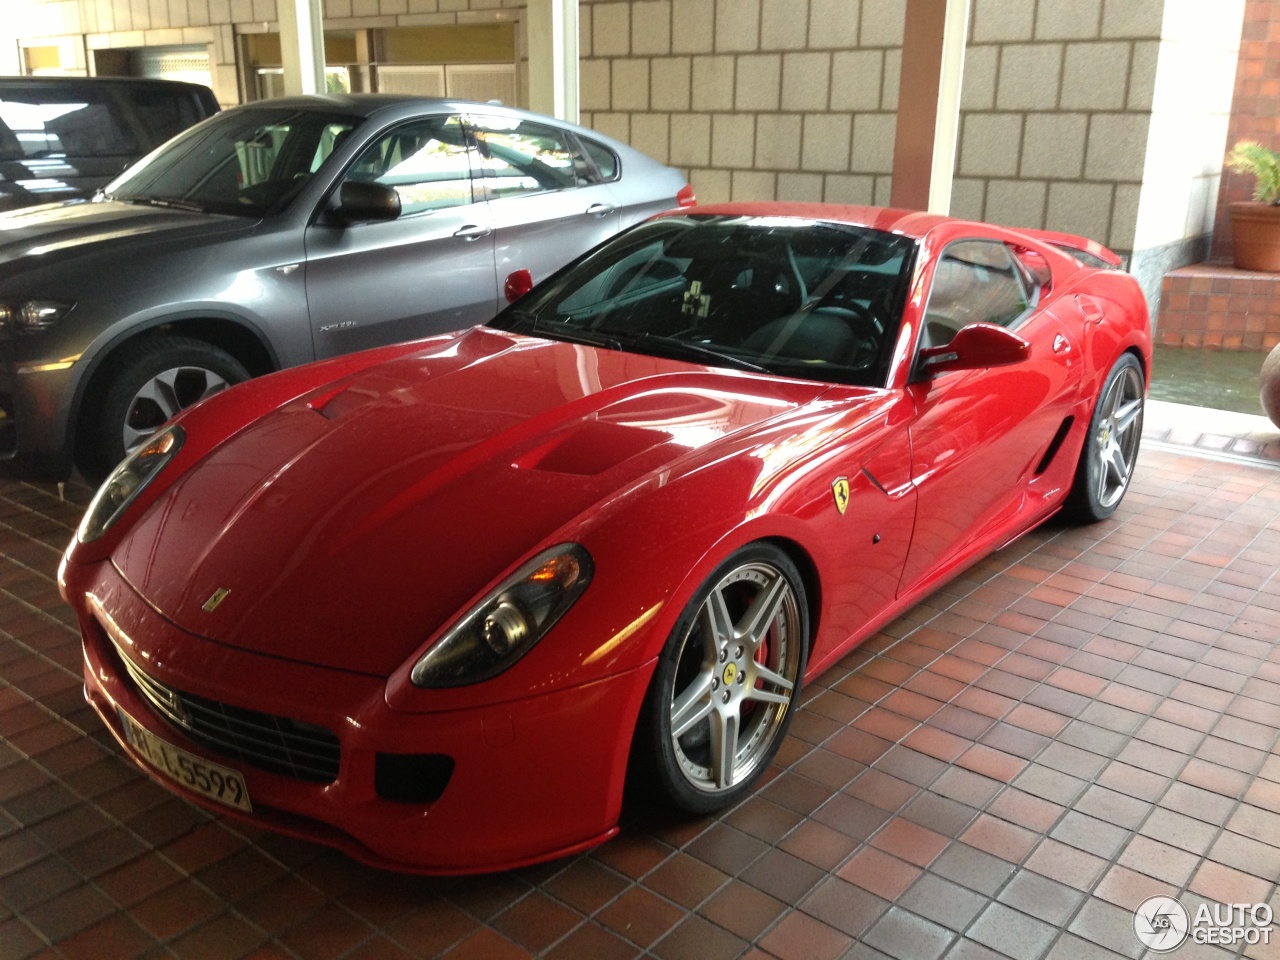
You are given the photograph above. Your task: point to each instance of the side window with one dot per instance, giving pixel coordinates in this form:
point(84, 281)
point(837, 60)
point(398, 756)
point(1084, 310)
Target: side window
point(604, 159)
point(426, 162)
point(520, 158)
point(975, 281)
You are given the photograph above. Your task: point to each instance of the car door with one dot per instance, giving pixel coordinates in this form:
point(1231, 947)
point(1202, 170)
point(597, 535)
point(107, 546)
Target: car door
point(981, 437)
point(429, 270)
point(548, 197)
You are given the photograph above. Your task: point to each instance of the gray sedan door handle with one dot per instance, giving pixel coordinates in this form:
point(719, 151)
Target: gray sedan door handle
point(600, 209)
point(472, 232)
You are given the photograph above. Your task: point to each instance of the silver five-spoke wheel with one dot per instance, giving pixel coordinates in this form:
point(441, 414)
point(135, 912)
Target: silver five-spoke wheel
point(164, 395)
point(1117, 435)
point(728, 678)
point(1111, 446)
point(139, 387)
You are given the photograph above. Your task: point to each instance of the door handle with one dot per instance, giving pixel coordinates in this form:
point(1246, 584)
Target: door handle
point(600, 209)
point(472, 231)
point(1061, 344)
point(1090, 307)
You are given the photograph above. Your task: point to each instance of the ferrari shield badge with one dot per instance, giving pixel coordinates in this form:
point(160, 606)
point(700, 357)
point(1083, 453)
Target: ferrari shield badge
point(220, 594)
point(840, 490)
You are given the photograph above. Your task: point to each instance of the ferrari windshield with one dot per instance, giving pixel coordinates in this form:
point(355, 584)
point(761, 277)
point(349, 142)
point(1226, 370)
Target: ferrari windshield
point(243, 162)
point(801, 298)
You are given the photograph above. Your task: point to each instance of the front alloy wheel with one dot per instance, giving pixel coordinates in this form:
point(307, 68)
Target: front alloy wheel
point(139, 388)
point(727, 679)
point(162, 397)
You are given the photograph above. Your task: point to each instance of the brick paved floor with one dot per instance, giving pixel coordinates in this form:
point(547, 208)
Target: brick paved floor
point(1083, 720)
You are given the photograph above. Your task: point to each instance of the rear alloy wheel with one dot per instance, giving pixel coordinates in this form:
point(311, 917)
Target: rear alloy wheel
point(724, 688)
point(1111, 447)
point(147, 384)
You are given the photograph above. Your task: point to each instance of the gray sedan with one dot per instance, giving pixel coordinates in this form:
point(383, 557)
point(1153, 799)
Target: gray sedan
point(281, 232)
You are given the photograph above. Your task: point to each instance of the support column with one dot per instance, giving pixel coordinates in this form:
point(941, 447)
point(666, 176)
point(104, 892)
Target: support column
point(301, 46)
point(552, 30)
point(924, 147)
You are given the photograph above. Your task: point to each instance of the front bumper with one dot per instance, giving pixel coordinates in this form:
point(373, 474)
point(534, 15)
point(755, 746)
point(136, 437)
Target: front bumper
point(530, 780)
point(34, 414)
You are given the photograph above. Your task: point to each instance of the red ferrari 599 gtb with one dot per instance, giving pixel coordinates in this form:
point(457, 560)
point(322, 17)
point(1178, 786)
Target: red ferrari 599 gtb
point(428, 603)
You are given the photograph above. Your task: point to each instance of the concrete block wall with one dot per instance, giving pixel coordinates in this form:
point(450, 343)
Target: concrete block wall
point(80, 26)
point(754, 99)
point(1055, 108)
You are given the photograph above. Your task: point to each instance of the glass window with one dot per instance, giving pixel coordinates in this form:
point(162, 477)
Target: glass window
point(976, 281)
point(73, 122)
point(163, 115)
point(799, 298)
point(520, 158)
point(605, 160)
point(427, 163)
point(248, 162)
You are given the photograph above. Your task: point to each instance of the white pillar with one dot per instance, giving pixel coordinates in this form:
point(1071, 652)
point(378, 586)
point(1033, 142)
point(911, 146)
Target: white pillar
point(924, 149)
point(552, 29)
point(301, 46)
point(947, 126)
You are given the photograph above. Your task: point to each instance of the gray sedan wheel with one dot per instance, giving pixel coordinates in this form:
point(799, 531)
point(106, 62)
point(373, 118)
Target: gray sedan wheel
point(146, 384)
point(164, 395)
point(724, 689)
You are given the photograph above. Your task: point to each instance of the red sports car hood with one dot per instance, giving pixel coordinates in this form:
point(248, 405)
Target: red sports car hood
point(349, 524)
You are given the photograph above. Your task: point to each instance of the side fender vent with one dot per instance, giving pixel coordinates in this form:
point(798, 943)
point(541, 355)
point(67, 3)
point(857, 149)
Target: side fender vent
point(1055, 445)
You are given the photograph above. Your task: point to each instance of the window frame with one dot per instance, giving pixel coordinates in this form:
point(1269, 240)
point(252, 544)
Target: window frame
point(473, 173)
point(568, 140)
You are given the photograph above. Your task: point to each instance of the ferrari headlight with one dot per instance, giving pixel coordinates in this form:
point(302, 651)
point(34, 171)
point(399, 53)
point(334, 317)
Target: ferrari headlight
point(128, 480)
point(503, 627)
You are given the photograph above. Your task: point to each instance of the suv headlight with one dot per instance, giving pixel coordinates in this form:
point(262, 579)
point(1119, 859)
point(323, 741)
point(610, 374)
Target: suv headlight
point(128, 480)
point(32, 316)
point(503, 627)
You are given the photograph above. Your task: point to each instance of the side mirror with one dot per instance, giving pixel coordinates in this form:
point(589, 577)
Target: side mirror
point(518, 284)
point(362, 202)
point(974, 347)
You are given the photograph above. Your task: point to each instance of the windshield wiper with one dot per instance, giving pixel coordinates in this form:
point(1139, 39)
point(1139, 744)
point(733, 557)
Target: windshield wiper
point(692, 349)
point(534, 323)
point(161, 202)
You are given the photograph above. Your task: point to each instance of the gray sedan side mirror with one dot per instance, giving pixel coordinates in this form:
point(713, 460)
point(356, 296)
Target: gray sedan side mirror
point(362, 202)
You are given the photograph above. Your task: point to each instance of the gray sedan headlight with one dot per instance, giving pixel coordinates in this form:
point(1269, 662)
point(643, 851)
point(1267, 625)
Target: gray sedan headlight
point(32, 316)
point(128, 480)
point(504, 626)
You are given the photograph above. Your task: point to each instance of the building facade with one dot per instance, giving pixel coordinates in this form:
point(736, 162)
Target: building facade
point(1107, 118)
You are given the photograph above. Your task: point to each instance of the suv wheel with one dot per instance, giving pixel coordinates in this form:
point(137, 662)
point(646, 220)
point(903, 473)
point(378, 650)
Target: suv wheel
point(146, 383)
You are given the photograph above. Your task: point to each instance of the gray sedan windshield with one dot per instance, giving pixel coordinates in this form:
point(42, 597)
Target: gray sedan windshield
point(245, 163)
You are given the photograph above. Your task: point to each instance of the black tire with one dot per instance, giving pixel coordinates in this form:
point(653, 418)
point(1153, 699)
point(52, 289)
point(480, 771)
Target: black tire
point(715, 685)
point(144, 384)
point(1110, 450)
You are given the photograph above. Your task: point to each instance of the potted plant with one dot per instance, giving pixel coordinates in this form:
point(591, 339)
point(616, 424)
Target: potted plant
point(1255, 224)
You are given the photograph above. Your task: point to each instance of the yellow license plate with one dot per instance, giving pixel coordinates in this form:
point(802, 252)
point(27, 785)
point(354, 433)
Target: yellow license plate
point(207, 779)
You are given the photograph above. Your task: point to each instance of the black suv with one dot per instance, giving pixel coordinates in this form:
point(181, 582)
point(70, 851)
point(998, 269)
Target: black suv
point(64, 137)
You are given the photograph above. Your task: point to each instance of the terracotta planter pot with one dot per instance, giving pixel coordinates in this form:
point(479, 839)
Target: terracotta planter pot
point(1255, 232)
point(1269, 385)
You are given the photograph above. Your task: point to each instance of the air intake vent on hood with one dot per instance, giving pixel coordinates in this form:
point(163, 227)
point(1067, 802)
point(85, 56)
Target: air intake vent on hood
point(591, 448)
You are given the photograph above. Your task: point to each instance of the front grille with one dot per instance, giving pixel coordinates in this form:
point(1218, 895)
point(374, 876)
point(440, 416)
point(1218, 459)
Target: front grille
point(275, 744)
